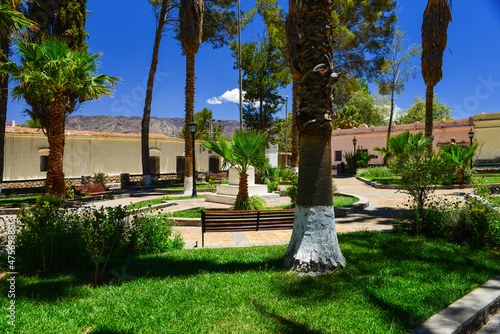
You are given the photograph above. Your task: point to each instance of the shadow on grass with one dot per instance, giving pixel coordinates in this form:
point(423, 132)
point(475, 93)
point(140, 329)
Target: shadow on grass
point(284, 325)
point(105, 330)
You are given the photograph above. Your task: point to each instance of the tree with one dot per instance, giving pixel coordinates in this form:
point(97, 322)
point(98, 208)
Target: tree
point(206, 128)
point(417, 111)
point(50, 72)
point(283, 131)
point(314, 247)
point(365, 104)
point(11, 23)
point(396, 70)
point(163, 10)
point(247, 148)
point(437, 17)
point(292, 37)
point(347, 118)
point(191, 27)
point(265, 68)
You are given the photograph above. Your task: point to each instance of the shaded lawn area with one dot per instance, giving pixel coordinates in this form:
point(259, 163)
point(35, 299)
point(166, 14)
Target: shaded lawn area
point(17, 201)
point(156, 201)
point(391, 284)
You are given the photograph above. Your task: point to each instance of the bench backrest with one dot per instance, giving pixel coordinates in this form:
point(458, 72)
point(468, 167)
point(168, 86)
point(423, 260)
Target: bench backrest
point(247, 220)
point(89, 188)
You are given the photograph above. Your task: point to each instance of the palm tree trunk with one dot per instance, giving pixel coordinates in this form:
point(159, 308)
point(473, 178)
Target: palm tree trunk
point(295, 131)
point(188, 166)
point(313, 247)
point(55, 173)
point(146, 168)
point(429, 96)
point(4, 95)
point(242, 196)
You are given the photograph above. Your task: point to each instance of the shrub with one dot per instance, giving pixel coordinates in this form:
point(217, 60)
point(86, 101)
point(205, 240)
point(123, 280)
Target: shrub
point(272, 186)
point(99, 178)
point(253, 203)
point(378, 171)
point(291, 191)
point(152, 233)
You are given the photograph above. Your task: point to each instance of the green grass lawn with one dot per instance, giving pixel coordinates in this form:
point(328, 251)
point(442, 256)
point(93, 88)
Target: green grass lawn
point(156, 201)
point(202, 186)
point(17, 201)
point(486, 179)
point(391, 283)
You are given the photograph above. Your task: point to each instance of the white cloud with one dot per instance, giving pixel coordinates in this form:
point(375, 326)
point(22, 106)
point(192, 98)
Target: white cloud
point(228, 96)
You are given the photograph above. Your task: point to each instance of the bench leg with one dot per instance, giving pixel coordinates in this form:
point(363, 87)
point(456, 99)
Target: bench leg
point(202, 240)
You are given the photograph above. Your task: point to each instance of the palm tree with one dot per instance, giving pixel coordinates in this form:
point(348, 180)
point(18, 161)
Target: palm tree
point(314, 248)
point(247, 148)
point(190, 35)
point(347, 118)
point(292, 36)
point(398, 146)
point(52, 74)
point(437, 16)
point(165, 8)
point(11, 22)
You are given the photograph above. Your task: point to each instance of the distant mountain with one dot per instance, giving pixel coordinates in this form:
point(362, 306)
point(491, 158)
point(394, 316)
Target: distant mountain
point(122, 124)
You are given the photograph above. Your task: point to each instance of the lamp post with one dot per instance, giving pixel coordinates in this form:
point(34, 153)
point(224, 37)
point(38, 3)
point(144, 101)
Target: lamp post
point(354, 141)
point(471, 135)
point(192, 130)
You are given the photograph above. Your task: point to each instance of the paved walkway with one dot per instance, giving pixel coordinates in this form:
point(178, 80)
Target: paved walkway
point(378, 216)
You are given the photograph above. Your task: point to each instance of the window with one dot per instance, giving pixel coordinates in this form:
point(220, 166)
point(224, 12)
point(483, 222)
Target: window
point(338, 155)
point(44, 163)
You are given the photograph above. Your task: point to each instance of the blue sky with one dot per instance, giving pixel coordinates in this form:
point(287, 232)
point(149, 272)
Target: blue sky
point(124, 35)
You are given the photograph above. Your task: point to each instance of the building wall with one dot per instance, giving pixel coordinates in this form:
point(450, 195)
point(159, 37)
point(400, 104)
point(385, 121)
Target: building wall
point(87, 154)
point(487, 134)
point(369, 137)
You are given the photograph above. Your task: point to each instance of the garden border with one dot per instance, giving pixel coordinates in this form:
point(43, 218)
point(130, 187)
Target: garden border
point(391, 186)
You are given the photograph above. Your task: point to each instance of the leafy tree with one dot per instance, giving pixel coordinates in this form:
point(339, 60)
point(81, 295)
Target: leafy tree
point(50, 72)
point(247, 148)
point(283, 131)
point(190, 35)
point(437, 17)
point(206, 128)
point(265, 68)
point(396, 70)
point(347, 118)
point(417, 111)
point(407, 156)
point(365, 103)
point(314, 247)
point(11, 23)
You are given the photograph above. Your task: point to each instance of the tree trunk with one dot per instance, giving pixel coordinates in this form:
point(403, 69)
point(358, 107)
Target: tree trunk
point(429, 97)
point(146, 168)
point(4, 95)
point(56, 185)
point(295, 131)
point(390, 117)
point(313, 248)
point(188, 167)
point(261, 111)
point(242, 189)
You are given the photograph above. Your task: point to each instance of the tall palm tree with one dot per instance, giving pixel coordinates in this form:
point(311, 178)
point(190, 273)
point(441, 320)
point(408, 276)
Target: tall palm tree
point(437, 17)
point(11, 23)
point(190, 35)
point(292, 36)
point(52, 74)
point(247, 148)
point(165, 8)
point(314, 247)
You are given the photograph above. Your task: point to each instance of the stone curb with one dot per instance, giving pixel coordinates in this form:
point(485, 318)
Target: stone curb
point(468, 314)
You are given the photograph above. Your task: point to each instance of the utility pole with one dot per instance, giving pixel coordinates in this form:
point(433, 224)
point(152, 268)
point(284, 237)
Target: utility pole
point(239, 66)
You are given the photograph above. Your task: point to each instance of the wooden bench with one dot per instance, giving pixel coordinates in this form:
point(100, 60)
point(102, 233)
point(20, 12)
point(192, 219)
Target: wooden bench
point(90, 189)
point(231, 221)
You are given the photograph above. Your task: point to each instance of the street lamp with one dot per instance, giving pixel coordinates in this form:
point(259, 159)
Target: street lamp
point(471, 135)
point(192, 130)
point(354, 141)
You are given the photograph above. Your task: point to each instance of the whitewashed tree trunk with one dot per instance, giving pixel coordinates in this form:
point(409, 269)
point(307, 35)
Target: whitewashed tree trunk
point(188, 185)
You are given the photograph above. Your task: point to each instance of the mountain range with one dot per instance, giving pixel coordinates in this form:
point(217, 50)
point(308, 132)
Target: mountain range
point(123, 124)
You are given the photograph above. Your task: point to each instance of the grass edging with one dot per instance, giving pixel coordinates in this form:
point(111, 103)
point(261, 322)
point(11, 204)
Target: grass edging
point(390, 186)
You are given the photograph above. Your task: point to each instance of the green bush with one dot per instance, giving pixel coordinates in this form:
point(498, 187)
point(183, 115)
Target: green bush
point(152, 233)
point(378, 171)
point(99, 178)
point(272, 186)
point(291, 191)
point(253, 203)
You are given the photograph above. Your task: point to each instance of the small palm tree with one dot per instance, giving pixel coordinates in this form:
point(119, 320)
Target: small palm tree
point(459, 160)
point(399, 146)
point(51, 74)
point(247, 148)
point(437, 17)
